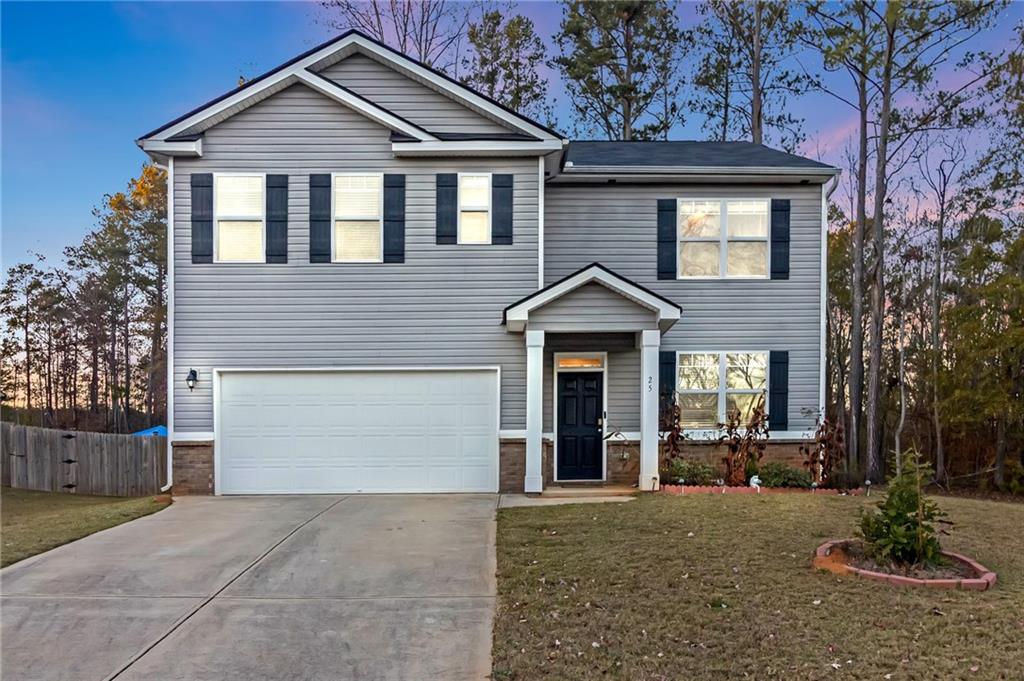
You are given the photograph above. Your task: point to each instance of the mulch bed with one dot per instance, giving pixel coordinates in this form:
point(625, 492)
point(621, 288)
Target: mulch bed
point(846, 556)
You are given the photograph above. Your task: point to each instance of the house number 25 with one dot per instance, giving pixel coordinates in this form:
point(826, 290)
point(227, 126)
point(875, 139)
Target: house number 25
point(650, 384)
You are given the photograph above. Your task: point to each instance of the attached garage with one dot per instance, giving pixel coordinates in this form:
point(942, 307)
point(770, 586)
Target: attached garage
point(318, 432)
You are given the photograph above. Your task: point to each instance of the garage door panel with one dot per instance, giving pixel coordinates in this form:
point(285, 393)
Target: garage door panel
point(395, 431)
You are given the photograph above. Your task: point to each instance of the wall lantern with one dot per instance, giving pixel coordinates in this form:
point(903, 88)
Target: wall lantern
point(191, 379)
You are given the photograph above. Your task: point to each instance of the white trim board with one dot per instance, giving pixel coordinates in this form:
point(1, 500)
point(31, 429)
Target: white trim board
point(603, 369)
point(516, 317)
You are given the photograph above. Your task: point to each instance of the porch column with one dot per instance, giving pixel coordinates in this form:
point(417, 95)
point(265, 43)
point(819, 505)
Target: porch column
point(534, 482)
point(650, 342)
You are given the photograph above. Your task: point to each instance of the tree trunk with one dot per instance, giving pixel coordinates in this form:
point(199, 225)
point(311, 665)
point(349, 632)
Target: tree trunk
point(627, 100)
point(940, 455)
point(28, 355)
point(756, 132)
point(903, 391)
point(877, 317)
point(857, 285)
point(999, 475)
point(94, 379)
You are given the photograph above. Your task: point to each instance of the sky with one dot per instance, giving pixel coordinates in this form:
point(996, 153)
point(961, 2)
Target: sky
point(79, 82)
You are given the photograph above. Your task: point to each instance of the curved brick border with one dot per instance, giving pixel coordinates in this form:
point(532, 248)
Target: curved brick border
point(825, 560)
point(716, 489)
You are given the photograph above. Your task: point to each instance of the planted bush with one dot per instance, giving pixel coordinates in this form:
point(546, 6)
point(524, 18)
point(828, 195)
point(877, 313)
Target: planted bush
point(745, 440)
point(775, 474)
point(690, 472)
point(901, 530)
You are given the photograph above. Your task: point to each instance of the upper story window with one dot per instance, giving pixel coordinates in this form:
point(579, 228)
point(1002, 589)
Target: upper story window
point(238, 219)
point(358, 218)
point(723, 238)
point(713, 385)
point(474, 208)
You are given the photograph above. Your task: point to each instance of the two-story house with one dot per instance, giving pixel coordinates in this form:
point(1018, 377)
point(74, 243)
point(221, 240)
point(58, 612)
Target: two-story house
point(382, 281)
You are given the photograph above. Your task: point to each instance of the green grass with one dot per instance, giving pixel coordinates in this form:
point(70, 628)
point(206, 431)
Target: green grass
point(32, 522)
point(738, 598)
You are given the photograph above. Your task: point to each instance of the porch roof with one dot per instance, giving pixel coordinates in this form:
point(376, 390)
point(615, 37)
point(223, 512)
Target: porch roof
point(665, 313)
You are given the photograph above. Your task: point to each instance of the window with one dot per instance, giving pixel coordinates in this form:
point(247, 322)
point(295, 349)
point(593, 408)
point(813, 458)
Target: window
point(474, 209)
point(590, 362)
point(723, 236)
point(712, 385)
point(358, 223)
point(238, 207)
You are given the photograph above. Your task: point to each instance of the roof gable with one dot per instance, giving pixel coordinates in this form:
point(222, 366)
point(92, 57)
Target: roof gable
point(430, 107)
point(304, 68)
point(666, 313)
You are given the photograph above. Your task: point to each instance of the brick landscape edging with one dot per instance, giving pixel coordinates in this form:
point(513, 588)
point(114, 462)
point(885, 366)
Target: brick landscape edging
point(983, 579)
point(721, 489)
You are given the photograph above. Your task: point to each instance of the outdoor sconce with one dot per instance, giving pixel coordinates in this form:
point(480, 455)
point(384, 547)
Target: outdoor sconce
point(191, 379)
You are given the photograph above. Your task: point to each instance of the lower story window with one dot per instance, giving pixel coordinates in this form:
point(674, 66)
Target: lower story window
point(711, 386)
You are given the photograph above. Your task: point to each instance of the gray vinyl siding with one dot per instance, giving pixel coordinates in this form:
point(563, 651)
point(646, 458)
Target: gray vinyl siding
point(592, 307)
point(408, 98)
point(441, 307)
point(617, 226)
point(622, 374)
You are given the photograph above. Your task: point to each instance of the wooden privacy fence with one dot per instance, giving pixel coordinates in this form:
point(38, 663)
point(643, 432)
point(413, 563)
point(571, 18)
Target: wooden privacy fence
point(81, 463)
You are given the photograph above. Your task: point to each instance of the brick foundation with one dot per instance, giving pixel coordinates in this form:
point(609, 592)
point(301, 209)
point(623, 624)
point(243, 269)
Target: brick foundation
point(193, 467)
point(512, 464)
point(707, 452)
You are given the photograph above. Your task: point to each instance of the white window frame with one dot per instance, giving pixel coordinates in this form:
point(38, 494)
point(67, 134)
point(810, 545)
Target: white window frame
point(237, 218)
point(335, 218)
point(475, 209)
point(723, 390)
point(724, 239)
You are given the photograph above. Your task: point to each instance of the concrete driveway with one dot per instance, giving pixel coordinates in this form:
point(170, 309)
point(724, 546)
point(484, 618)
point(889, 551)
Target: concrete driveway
point(320, 587)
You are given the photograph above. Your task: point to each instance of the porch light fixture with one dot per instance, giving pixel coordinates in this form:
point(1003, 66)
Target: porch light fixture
point(191, 379)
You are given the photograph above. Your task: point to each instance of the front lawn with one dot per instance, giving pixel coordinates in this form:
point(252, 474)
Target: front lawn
point(32, 522)
point(704, 586)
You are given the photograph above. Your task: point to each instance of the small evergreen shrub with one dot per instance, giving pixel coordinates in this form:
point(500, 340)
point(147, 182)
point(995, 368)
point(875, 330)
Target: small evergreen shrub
point(901, 530)
point(690, 472)
point(776, 474)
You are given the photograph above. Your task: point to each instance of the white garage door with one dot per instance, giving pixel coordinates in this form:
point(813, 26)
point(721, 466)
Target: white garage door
point(361, 431)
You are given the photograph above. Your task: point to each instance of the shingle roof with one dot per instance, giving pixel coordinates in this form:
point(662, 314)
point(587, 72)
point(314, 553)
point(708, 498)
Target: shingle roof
point(684, 154)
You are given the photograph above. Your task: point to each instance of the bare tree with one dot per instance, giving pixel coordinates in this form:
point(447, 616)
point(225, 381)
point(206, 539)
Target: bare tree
point(940, 178)
point(430, 31)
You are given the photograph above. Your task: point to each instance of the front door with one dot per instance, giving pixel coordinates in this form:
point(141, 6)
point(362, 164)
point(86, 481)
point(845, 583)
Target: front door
point(580, 425)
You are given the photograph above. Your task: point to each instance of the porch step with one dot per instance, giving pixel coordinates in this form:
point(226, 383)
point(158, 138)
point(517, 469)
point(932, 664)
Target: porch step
point(566, 491)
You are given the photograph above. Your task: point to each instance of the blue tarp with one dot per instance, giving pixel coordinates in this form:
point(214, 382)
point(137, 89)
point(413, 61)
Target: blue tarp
point(155, 430)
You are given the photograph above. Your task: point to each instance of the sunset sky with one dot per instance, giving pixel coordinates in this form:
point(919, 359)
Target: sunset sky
point(81, 81)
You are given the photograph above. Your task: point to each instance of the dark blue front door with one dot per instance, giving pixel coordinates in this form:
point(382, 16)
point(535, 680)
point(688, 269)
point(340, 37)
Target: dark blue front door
point(580, 410)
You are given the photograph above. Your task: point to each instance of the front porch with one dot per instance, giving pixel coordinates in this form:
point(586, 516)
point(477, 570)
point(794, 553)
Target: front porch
point(592, 343)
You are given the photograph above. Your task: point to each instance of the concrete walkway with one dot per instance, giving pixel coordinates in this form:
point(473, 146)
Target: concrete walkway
point(312, 588)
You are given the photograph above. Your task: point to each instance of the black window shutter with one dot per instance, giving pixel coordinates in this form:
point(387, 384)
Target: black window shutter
point(666, 379)
point(501, 204)
point(277, 218)
point(667, 239)
point(202, 217)
point(447, 208)
point(394, 218)
point(780, 239)
point(778, 390)
point(320, 218)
